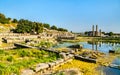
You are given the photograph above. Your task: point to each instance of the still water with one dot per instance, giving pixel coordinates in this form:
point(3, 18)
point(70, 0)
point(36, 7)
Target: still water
point(102, 47)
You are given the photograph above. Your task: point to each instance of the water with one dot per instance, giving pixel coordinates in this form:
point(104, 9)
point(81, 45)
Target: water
point(117, 61)
point(102, 47)
point(109, 71)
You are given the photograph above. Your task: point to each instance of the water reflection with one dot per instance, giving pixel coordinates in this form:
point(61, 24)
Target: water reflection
point(100, 46)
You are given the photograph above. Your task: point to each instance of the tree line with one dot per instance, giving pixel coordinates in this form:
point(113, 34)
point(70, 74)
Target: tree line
point(26, 26)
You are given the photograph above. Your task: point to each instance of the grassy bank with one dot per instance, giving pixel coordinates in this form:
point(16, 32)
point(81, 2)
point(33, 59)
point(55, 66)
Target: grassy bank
point(109, 39)
point(96, 39)
point(13, 61)
point(81, 39)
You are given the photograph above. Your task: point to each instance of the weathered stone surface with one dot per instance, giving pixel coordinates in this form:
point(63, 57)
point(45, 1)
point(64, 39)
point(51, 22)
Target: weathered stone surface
point(51, 64)
point(57, 62)
point(61, 60)
point(72, 51)
point(70, 55)
point(0, 41)
point(63, 55)
point(41, 66)
point(72, 71)
point(27, 72)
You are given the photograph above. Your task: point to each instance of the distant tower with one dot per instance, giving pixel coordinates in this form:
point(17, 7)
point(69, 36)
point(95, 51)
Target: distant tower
point(96, 34)
point(100, 32)
point(93, 32)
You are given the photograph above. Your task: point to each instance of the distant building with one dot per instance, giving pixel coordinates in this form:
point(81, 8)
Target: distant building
point(95, 32)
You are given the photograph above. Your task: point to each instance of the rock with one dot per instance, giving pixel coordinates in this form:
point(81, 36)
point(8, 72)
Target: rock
point(72, 71)
point(61, 60)
point(27, 72)
point(76, 50)
point(41, 66)
point(76, 46)
point(51, 64)
point(70, 55)
point(72, 51)
point(0, 41)
point(57, 62)
point(63, 55)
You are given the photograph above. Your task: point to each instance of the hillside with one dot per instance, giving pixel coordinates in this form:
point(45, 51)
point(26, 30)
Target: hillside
point(7, 27)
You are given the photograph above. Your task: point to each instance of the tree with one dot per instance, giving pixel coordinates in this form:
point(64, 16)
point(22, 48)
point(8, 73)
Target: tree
point(14, 21)
point(9, 18)
point(110, 33)
point(26, 26)
point(2, 16)
point(54, 27)
point(46, 25)
point(3, 19)
point(86, 32)
point(62, 29)
point(39, 28)
point(103, 32)
point(22, 26)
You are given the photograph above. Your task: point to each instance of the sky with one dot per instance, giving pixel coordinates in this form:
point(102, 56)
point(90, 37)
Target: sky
point(74, 15)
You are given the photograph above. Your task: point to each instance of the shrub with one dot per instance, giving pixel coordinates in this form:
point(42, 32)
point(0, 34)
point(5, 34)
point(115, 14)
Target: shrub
point(2, 52)
point(10, 58)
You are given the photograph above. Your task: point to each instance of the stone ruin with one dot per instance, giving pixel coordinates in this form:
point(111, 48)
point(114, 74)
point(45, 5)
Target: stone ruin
point(43, 67)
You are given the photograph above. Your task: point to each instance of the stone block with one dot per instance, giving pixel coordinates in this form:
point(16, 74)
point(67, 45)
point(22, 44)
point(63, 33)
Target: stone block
point(41, 66)
point(51, 64)
point(27, 72)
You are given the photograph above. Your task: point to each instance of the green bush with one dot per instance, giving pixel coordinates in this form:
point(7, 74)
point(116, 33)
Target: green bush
point(10, 58)
point(2, 52)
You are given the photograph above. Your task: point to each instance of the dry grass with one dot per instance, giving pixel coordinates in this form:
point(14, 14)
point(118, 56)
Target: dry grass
point(7, 27)
point(83, 39)
point(5, 45)
point(86, 68)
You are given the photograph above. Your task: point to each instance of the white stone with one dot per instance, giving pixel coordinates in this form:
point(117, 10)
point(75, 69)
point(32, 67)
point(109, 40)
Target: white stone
point(27, 72)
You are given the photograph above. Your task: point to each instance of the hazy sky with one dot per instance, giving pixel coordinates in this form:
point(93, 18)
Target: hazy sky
point(75, 15)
